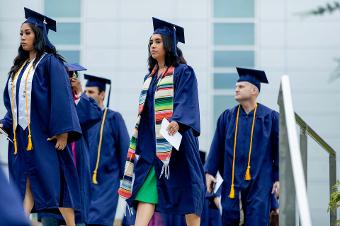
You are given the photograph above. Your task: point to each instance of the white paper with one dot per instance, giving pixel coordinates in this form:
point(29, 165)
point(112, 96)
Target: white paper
point(3, 132)
point(219, 181)
point(174, 140)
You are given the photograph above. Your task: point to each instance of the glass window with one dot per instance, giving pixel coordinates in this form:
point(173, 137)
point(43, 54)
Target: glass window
point(62, 8)
point(221, 103)
point(71, 56)
point(67, 34)
point(234, 8)
point(225, 80)
point(234, 33)
point(234, 58)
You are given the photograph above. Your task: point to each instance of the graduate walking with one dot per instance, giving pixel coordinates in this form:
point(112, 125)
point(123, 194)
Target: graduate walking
point(108, 142)
point(41, 119)
point(166, 180)
point(244, 151)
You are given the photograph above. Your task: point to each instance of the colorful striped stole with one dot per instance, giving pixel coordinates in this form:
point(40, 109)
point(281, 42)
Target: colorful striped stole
point(163, 105)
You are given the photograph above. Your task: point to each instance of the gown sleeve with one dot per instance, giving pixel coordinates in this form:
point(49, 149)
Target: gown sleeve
point(215, 158)
point(186, 105)
point(275, 146)
point(7, 121)
point(63, 114)
point(88, 111)
point(121, 137)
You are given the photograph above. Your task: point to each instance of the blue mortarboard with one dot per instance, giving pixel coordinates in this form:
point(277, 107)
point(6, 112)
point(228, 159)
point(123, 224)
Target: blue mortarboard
point(43, 22)
point(74, 67)
point(98, 82)
point(252, 76)
point(175, 32)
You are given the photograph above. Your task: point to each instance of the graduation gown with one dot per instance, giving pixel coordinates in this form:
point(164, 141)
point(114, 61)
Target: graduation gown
point(89, 113)
point(184, 191)
point(52, 173)
point(11, 212)
point(115, 144)
point(211, 214)
point(256, 193)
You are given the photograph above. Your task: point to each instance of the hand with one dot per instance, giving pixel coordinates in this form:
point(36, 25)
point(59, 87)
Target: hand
point(276, 189)
point(217, 201)
point(210, 181)
point(173, 127)
point(61, 141)
point(76, 86)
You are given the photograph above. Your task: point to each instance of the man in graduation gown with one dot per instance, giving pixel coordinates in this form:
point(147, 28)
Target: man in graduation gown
point(108, 145)
point(245, 152)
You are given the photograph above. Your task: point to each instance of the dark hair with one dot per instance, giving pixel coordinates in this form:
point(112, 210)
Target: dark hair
point(40, 48)
point(170, 58)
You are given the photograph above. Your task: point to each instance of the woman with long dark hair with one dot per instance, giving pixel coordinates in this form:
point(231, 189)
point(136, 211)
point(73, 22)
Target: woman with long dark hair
point(162, 178)
point(41, 118)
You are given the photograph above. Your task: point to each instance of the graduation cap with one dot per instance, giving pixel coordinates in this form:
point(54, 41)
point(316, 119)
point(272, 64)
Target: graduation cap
point(73, 69)
point(43, 22)
point(98, 82)
point(175, 32)
point(255, 77)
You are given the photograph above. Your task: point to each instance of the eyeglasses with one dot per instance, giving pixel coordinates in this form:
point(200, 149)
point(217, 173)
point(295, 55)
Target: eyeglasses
point(72, 74)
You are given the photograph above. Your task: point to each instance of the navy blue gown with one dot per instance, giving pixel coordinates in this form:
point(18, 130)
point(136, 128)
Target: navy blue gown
point(88, 113)
point(12, 212)
point(256, 193)
point(184, 191)
point(115, 144)
point(52, 173)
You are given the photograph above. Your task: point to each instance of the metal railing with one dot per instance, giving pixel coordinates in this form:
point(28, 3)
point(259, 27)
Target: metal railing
point(293, 162)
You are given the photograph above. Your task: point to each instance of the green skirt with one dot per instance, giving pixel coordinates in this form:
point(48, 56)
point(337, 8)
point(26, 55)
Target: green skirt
point(148, 192)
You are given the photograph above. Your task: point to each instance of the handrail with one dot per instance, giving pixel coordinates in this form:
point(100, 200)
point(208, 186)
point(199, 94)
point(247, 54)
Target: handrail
point(289, 122)
point(314, 135)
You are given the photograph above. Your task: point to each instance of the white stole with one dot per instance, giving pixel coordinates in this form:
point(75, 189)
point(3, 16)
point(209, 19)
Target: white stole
point(19, 114)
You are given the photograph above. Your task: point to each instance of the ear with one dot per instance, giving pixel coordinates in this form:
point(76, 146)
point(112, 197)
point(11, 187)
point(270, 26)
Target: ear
point(102, 95)
point(254, 90)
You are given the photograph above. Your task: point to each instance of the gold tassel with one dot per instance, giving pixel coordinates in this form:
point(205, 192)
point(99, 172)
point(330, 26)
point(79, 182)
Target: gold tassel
point(15, 143)
point(247, 176)
point(29, 144)
point(94, 177)
point(232, 192)
point(29, 138)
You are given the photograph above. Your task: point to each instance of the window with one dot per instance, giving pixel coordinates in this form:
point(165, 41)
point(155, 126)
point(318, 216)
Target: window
point(68, 34)
point(233, 46)
point(234, 33)
point(225, 80)
point(234, 8)
point(71, 56)
point(62, 8)
point(67, 37)
point(234, 59)
point(221, 103)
